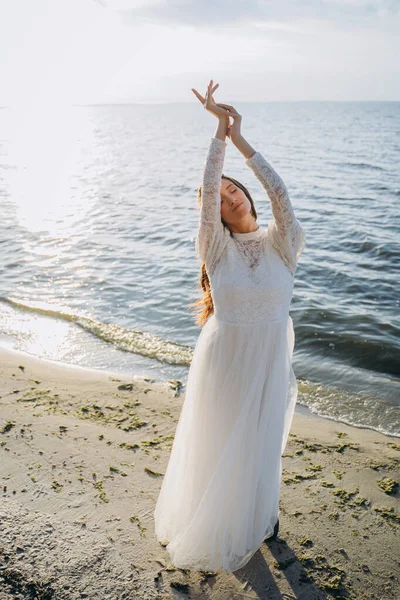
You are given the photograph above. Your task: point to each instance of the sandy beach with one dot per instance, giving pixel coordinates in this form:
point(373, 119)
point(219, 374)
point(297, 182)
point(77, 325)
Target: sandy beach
point(82, 458)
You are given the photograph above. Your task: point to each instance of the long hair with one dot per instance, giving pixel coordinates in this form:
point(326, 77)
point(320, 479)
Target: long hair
point(204, 307)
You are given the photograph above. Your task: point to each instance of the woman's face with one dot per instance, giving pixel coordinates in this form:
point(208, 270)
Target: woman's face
point(234, 202)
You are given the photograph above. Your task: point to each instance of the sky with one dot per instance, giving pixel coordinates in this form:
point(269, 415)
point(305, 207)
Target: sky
point(121, 51)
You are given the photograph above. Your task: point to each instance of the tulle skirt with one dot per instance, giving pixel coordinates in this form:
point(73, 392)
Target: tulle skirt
point(219, 497)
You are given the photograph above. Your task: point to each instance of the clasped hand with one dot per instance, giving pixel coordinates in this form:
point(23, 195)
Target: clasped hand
point(221, 111)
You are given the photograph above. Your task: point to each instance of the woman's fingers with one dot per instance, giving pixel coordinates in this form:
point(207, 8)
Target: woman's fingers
point(199, 96)
point(231, 111)
point(203, 98)
point(209, 103)
point(227, 106)
point(208, 97)
point(210, 88)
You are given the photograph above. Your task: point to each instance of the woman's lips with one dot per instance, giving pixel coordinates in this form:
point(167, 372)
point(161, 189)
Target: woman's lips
point(237, 206)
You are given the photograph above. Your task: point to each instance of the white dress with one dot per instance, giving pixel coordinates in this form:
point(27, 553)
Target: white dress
point(219, 498)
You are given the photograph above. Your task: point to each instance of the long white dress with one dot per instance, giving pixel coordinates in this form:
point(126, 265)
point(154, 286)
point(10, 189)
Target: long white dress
point(219, 497)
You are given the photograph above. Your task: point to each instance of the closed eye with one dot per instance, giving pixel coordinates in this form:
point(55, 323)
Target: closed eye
point(232, 191)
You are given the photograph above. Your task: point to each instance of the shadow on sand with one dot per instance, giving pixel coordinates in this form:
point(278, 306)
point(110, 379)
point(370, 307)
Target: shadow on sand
point(309, 577)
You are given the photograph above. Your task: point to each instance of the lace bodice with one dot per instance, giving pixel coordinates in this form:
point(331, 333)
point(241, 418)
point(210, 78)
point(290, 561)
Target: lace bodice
point(284, 232)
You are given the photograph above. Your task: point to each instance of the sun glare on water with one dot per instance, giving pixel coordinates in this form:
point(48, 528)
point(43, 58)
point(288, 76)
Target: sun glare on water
point(46, 146)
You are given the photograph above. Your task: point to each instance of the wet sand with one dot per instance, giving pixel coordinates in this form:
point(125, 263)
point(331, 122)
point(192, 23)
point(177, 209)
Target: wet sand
point(82, 455)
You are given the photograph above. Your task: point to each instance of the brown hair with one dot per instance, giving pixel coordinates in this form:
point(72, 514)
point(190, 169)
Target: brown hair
point(205, 307)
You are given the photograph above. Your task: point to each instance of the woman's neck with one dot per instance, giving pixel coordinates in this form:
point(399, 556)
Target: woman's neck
point(244, 227)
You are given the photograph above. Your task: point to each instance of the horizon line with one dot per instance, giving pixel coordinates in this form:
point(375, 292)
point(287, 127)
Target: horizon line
point(150, 102)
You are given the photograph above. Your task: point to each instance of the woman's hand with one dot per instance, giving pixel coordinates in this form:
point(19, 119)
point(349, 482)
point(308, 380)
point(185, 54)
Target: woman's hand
point(233, 131)
point(219, 110)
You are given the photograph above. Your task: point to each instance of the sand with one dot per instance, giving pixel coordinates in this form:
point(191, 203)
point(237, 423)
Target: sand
point(82, 458)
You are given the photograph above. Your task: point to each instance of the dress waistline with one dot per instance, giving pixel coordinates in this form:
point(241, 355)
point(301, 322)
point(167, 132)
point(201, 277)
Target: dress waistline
point(260, 322)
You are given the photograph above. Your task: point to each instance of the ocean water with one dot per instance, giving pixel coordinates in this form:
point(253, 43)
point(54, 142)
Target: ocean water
point(99, 217)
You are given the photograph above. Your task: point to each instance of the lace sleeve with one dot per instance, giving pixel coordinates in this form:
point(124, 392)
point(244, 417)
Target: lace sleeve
point(211, 232)
point(286, 233)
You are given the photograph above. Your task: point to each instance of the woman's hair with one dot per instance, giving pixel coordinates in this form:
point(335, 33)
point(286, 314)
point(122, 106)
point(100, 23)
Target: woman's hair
point(205, 307)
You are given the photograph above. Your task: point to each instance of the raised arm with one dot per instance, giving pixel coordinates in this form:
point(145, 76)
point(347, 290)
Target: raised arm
point(211, 232)
point(286, 232)
point(281, 205)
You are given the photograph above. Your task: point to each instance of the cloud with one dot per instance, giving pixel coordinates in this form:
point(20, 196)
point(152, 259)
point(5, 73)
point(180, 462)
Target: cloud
point(213, 14)
point(152, 50)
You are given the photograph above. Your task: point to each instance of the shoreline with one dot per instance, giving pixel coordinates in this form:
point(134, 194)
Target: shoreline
point(82, 456)
point(7, 353)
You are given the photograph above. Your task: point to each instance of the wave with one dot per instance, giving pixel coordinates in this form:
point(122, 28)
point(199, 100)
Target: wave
point(374, 347)
point(360, 165)
point(358, 410)
point(388, 251)
point(129, 340)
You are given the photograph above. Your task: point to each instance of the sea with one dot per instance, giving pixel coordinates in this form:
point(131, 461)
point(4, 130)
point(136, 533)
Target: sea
point(99, 219)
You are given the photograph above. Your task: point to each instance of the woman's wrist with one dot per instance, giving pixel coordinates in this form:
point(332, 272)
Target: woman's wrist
point(221, 128)
point(243, 146)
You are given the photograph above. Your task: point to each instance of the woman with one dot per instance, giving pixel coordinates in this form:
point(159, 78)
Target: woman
point(220, 494)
